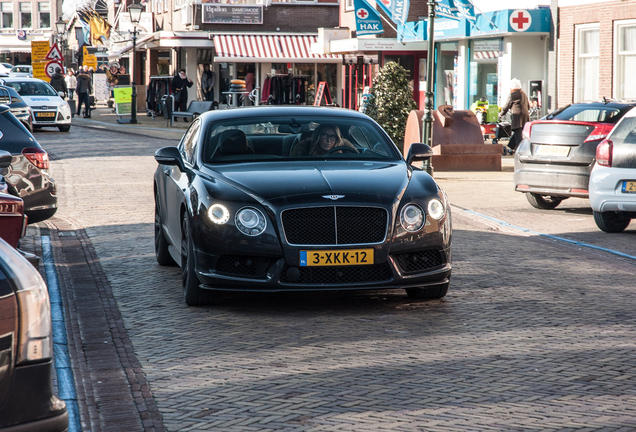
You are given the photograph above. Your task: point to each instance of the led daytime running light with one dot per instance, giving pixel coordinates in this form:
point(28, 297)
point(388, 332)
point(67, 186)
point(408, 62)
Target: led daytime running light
point(219, 214)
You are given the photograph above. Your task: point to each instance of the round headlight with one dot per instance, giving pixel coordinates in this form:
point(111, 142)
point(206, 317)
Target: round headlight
point(219, 214)
point(435, 209)
point(412, 218)
point(250, 221)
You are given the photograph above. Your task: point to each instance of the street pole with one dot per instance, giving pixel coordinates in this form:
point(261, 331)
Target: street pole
point(427, 133)
point(133, 96)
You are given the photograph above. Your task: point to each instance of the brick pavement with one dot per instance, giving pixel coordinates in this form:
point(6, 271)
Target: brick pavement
point(532, 335)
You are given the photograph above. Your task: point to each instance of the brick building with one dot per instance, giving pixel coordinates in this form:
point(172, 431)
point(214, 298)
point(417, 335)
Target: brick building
point(596, 50)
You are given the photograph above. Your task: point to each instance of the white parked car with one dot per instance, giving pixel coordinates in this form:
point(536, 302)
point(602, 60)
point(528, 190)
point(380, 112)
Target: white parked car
point(5, 68)
point(18, 71)
point(613, 179)
point(49, 109)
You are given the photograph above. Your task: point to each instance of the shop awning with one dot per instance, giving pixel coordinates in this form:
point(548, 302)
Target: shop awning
point(269, 48)
point(115, 54)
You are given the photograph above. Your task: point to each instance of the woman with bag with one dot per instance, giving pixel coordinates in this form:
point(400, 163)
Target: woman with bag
point(180, 92)
point(519, 107)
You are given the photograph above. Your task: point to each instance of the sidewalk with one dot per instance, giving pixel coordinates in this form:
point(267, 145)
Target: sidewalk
point(104, 118)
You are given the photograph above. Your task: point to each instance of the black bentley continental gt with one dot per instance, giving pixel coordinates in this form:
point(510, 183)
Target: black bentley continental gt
point(298, 199)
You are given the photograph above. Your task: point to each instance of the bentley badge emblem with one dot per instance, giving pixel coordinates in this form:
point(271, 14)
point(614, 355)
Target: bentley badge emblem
point(333, 197)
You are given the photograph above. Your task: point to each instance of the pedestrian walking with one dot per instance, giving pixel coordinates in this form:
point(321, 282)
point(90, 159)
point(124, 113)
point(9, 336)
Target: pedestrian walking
point(207, 83)
point(84, 89)
point(180, 92)
point(519, 108)
point(58, 82)
point(71, 83)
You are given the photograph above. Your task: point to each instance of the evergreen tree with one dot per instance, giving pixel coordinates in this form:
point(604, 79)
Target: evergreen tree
point(391, 100)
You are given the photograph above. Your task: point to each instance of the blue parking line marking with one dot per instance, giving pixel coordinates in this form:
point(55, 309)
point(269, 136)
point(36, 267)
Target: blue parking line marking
point(550, 236)
point(65, 379)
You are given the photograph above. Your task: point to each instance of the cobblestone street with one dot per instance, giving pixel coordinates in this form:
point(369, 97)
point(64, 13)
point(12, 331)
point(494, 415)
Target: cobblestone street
point(533, 334)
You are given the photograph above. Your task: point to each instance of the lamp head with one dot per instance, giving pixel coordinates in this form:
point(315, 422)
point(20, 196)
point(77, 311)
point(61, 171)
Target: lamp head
point(60, 26)
point(135, 11)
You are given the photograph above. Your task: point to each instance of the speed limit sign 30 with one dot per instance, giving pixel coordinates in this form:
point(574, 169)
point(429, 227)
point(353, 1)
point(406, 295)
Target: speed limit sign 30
point(51, 67)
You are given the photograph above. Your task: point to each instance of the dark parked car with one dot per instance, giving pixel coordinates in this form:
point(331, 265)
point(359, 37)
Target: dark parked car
point(28, 176)
point(556, 156)
point(12, 218)
point(10, 97)
point(27, 401)
point(298, 199)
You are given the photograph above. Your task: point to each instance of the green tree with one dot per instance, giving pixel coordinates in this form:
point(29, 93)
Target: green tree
point(391, 101)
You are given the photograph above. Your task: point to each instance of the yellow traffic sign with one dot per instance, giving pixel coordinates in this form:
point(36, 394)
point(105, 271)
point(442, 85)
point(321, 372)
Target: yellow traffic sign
point(39, 50)
point(39, 70)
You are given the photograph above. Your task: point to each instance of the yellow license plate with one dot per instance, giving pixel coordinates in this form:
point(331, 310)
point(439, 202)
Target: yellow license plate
point(336, 257)
point(629, 186)
point(552, 150)
point(45, 114)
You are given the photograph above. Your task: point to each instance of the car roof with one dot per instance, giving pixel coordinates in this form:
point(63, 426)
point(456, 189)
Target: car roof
point(21, 79)
point(279, 110)
point(609, 103)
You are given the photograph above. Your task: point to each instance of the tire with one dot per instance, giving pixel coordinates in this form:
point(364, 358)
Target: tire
point(192, 294)
point(543, 202)
point(64, 128)
point(611, 222)
point(431, 293)
point(161, 244)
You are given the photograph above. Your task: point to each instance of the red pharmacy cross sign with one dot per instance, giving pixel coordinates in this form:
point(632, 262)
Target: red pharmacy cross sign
point(520, 20)
point(362, 14)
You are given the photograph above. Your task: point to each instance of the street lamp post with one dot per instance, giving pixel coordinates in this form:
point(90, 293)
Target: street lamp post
point(429, 104)
point(134, 10)
point(60, 27)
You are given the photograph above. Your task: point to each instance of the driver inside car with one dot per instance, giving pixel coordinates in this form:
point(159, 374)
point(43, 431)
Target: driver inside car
point(324, 139)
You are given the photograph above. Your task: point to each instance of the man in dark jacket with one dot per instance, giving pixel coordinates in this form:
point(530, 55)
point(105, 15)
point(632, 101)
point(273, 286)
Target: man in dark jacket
point(519, 108)
point(180, 92)
point(83, 89)
point(58, 82)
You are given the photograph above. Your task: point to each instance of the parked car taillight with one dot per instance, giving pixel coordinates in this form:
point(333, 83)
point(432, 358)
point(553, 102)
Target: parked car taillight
point(604, 153)
point(600, 131)
point(527, 128)
point(37, 156)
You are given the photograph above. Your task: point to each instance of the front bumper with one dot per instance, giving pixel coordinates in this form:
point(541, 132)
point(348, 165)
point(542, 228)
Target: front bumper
point(54, 118)
point(273, 274)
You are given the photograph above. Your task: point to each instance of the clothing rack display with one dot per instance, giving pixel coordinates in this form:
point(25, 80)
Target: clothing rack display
point(157, 87)
point(284, 89)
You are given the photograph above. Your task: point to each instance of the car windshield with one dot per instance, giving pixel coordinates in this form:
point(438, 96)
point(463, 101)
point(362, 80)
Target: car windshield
point(292, 139)
point(589, 113)
point(625, 133)
point(32, 88)
point(21, 69)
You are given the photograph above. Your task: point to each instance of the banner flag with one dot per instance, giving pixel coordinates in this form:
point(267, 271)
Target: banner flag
point(455, 9)
point(397, 10)
point(368, 21)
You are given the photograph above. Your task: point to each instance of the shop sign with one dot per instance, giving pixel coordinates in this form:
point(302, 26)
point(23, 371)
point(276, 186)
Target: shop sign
point(489, 45)
point(123, 99)
point(232, 14)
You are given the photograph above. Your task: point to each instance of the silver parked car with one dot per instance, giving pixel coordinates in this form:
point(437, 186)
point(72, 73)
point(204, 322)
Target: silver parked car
point(556, 156)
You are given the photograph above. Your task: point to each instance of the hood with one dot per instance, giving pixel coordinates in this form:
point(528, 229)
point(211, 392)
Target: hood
point(378, 181)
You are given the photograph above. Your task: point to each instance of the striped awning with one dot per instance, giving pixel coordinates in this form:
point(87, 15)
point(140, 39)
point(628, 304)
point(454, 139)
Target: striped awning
point(268, 48)
point(482, 55)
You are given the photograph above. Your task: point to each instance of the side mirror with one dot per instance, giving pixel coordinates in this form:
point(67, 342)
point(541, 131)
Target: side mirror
point(61, 94)
point(5, 158)
point(170, 156)
point(418, 152)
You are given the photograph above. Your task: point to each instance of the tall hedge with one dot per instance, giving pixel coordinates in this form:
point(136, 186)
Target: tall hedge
point(391, 100)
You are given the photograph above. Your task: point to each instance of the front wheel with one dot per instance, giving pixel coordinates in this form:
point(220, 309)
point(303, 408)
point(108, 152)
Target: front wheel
point(189, 279)
point(161, 244)
point(64, 128)
point(611, 222)
point(543, 202)
point(430, 293)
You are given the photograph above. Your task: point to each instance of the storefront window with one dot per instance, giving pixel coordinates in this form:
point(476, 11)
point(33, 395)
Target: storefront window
point(445, 74)
point(586, 75)
point(7, 15)
point(44, 10)
point(25, 15)
point(307, 73)
point(328, 72)
point(626, 59)
point(483, 70)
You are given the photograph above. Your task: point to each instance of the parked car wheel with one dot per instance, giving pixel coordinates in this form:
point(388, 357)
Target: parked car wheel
point(543, 202)
point(611, 222)
point(189, 280)
point(161, 244)
point(432, 293)
point(64, 128)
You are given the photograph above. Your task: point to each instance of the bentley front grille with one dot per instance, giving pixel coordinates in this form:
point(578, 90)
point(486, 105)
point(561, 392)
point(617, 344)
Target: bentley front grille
point(335, 225)
point(341, 275)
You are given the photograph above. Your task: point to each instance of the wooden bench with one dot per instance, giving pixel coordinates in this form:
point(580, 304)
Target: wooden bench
point(195, 109)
